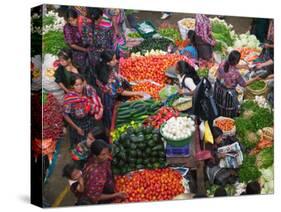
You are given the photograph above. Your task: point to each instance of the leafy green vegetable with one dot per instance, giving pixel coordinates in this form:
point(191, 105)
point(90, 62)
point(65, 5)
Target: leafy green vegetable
point(265, 158)
point(48, 20)
point(248, 170)
point(222, 32)
point(203, 72)
point(171, 33)
point(258, 85)
point(263, 117)
point(152, 43)
point(53, 42)
point(249, 105)
point(260, 118)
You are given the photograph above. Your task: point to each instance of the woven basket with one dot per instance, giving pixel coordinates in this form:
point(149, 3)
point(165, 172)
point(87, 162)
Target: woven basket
point(183, 106)
point(231, 132)
point(258, 92)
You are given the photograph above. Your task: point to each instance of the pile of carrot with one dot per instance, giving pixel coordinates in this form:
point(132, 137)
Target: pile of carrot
point(225, 124)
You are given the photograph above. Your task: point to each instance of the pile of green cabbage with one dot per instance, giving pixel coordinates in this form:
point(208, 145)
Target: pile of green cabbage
point(246, 40)
point(224, 35)
point(267, 180)
point(264, 158)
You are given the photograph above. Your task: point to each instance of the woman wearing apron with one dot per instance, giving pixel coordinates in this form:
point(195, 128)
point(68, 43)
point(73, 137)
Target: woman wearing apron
point(228, 77)
point(204, 41)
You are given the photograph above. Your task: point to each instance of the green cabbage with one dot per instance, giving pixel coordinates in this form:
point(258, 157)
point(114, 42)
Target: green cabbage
point(265, 158)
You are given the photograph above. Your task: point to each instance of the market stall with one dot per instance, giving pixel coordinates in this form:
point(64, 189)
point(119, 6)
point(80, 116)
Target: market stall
point(157, 141)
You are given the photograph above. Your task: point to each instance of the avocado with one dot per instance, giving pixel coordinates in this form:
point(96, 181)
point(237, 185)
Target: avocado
point(133, 153)
point(133, 146)
point(139, 153)
point(139, 161)
point(130, 131)
point(139, 166)
point(154, 153)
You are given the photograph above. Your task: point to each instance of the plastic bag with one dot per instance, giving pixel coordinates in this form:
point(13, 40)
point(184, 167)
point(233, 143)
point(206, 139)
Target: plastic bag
point(208, 136)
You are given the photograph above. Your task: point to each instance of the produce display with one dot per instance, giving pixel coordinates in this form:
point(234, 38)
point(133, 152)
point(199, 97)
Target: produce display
point(139, 148)
point(248, 54)
point(161, 116)
point(203, 72)
point(267, 180)
point(188, 23)
point(178, 128)
point(52, 118)
point(257, 85)
point(149, 53)
point(172, 33)
point(134, 35)
point(246, 40)
point(149, 68)
point(119, 131)
point(136, 111)
point(151, 185)
point(225, 124)
point(264, 158)
point(253, 119)
point(53, 37)
point(182, 103)
point(248, 170)
point(150, 88)
point(152, 43)
point(223, 34)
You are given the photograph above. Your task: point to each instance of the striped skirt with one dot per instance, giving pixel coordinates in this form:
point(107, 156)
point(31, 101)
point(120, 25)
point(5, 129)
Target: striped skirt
point(226, 100)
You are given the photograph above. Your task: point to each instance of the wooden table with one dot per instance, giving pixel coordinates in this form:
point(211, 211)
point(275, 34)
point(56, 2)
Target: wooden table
point(192, 163)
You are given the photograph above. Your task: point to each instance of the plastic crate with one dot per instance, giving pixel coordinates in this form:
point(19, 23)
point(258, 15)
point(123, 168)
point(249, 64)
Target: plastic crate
point(143, 34)
point(177, 151)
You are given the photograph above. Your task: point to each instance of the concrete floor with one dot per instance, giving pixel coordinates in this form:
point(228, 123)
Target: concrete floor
point(56, 184)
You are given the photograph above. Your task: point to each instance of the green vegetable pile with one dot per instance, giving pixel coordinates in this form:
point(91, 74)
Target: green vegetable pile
point(203, 72)
point(258, 85)
point(171, 33)
point(119, 131)
point(136, 111)
point(53, 42)
point(152, 43)
point(248, 170)
point(36, 37)
point(222, 34)
point(134, 35)
point(138, 149)
point(245, 125)
point(265, 158)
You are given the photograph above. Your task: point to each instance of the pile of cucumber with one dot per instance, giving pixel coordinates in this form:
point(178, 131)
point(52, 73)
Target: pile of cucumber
point(139, 148)
point(136, 111)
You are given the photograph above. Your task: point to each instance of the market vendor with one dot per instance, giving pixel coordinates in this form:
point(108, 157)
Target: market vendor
point(78, 42)
point(187, 76)
point(117, 17)
point(65, 70)
point(112, 84)
point(264, 63)
point(204, 41)
point(98, 177)
point(190, 50)
point(81, 105)
point(213, 168)
point(102, 25)
point(228, 77)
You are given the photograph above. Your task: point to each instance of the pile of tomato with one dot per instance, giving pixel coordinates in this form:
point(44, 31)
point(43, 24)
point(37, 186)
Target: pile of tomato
point(149, 88)
point(148, 67)
point(150, 185)
point(162, 115)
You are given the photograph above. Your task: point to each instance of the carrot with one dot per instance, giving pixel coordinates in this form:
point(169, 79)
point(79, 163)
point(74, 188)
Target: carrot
point(225, 124)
